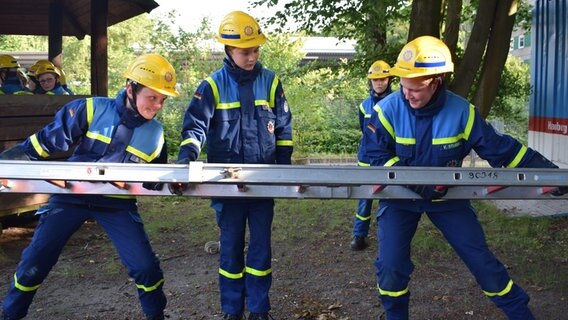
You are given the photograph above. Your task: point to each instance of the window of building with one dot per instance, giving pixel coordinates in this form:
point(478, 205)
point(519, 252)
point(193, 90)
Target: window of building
point(512, 44)
point(521, 41)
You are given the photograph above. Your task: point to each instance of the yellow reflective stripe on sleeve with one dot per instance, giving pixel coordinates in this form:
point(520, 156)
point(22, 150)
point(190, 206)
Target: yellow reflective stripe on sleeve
point(22, 287)
point(214, 89)
point(259, 103)
point(402, 140)
point(258, 273)
point(273, 87)
point(152, 288)
point(362, 218)
point(363, 164)
point(391, 162)
point(502, 292)
point(469, 124)
point(384, 121)
point(518, 158)
point(97, 136)
point(37, 147)
point(90, 110)
point(229, 275)
point(193, 141)
point(392, 293)
point(284, 143)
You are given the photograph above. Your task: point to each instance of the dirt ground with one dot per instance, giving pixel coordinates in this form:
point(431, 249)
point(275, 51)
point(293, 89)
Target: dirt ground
point(315, 277)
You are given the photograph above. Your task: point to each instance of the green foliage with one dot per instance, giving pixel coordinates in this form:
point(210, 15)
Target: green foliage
point(512, 102)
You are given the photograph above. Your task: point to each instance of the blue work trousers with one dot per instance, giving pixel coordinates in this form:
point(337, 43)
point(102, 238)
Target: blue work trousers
point(241, 281)
point(362, 219)
point(56, 225)
point(461, 228)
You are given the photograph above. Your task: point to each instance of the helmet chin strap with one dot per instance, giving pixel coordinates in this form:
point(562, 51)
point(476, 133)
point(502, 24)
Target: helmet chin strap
point(132, 101)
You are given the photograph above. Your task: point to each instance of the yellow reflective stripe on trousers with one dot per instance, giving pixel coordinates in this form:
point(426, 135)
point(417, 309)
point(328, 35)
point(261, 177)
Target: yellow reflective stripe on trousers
point(37, 147)
point(502, 292)
point(229, 275)
point(22, 287)
point(152, 288)
point(362, 218)
point(258, 273)
point(392, 293)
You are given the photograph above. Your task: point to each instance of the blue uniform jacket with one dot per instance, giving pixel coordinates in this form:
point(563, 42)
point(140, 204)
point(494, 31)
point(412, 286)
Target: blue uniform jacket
point(57, 90)
point(100, 130)
point(241, 116)
point(365, 111)
point(12, 85)
point(440, 134)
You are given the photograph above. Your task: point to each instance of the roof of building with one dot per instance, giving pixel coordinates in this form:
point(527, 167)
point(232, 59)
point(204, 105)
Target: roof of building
point(31, 17)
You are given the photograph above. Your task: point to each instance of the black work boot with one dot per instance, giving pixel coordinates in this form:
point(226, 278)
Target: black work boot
point(156, 317)
point(228, 316)
point(259, 316)
point(358, 243)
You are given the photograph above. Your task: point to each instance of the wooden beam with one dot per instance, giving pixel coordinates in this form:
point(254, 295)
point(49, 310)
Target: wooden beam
point(55, 39)
point(99, 48)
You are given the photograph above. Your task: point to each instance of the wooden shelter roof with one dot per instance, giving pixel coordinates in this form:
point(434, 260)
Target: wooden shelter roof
point(31, 17)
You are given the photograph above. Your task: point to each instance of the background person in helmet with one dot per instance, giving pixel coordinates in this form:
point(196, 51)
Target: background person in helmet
point(120, 130)
point(379, 87)
point(241, 112)
point(33, 84)
point(63, 81)
point(48, 78)
point(9, 81)
point(424, 124)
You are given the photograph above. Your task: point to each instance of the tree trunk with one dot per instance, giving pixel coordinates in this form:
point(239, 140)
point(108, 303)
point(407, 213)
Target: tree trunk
point(425, 18)
point(466, 70)
point(451, 31)
point(496, 56)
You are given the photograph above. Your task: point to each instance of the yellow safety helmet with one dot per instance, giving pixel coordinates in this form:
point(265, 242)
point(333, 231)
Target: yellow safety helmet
point(423, 56)
point(7, 62)
point(46, 68)
point(62, 79)
point(239, 29)
point(378, 70)
point(154, 72)
point(33, 69)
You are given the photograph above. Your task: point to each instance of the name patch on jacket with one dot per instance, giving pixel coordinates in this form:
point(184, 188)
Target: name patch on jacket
point(451, 145)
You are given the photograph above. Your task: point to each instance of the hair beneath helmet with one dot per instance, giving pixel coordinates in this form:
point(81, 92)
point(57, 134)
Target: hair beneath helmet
point(154, 72)
point(8, 62)
point(378, 70)
point(423, 56)
point(239, 29)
